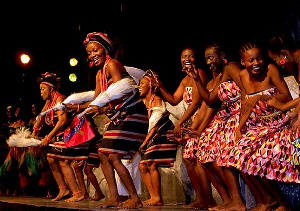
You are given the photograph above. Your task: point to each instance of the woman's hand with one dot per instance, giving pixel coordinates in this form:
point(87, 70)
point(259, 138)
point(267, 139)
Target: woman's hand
point(177, 131)
point(45, 141)
point(96, 110)
point(275, 103)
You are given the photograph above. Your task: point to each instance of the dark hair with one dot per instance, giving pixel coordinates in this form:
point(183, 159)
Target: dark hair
point(217, 46)
point(281, 42)
point(246, 46)
point(51, 79)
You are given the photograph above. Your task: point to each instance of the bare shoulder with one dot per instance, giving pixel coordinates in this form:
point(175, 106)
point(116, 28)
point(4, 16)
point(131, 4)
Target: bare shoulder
point(233, 66)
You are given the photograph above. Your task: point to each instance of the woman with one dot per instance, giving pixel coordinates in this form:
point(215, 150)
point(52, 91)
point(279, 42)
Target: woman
point(158, 149)
point(59, 157)
point(218, 138)
point(263, 152)
point(185, 93)
point(116, 95)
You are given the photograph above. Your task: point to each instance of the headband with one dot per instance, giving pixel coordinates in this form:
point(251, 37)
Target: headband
point(50, 79)
point(100, 38)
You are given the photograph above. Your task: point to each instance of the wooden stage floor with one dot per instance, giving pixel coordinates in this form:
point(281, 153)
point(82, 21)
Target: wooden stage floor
point(22, 203)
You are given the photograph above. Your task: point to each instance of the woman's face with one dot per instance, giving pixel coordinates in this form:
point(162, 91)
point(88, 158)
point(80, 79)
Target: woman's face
point(252, 61)
point(96, 53)
point(144, 87)
point(45, 91)
point(188, 55)
point(213, 59)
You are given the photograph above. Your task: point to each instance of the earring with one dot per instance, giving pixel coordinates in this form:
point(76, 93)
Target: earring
point(91, 64)
point(283, 60)
point(225, 61)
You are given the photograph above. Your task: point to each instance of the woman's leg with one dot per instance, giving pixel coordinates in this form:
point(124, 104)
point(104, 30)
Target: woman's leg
point(156, 198)
point(78, 168)
point(88, 170)
point(69, 174)
point(146, 177)
point(109, 174)
point(134, 200)
point(233, 185)
point(59, 178)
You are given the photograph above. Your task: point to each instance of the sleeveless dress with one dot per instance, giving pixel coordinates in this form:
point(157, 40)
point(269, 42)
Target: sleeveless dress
point(266, 149)
point(189, 147)
point(162, 148)
point(216, 139)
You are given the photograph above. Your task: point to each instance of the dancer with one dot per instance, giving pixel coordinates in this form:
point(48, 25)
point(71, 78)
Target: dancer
point(218, 138)
point(116, 94)
point(158, 148)
point(263, 152)
point(185, 93)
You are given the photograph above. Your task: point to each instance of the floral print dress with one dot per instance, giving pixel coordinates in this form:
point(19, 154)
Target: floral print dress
point(216, 139)
point(266, 148)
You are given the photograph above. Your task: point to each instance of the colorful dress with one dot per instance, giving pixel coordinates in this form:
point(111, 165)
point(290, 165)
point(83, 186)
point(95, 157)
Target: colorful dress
point(218, 137)
point(162, 148)
point(189, 147)
point(266, 148)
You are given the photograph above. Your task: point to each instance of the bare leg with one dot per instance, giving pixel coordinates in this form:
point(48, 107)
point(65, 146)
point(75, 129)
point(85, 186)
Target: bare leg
point(216, 177)
point(69, 174)
point(156, 198)
point(235, 190)
point(205, 183)
point(146, 177)
point(272, 186)
point(197, 185)
point(59, 178)
point(262, 196)
point(134, 201)
point(77, 166)
point(88, 170)
point(109, 174)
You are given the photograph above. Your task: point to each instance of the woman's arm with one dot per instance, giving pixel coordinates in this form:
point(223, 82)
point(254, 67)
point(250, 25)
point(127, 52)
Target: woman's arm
point(62, 119)
point(175, 98)
point(280, 83)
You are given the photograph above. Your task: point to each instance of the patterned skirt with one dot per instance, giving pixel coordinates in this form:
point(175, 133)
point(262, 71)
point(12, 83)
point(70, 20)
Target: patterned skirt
point(124, 137)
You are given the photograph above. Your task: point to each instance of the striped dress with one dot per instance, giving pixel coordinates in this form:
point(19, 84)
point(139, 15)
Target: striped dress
point(127, 129)
point(162, 148)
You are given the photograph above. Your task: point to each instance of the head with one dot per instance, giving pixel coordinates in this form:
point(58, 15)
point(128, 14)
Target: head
point(215, 57)
point(49, 83)
point(188, 55)
point(9, 111)
point(251, 58)
point(279, 48)
point(98, 46)
point(34, 108)
point(147, 84)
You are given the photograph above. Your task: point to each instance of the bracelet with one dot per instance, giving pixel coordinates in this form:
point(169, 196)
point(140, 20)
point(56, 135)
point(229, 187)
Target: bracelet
point(36, 129)
point(78, 107)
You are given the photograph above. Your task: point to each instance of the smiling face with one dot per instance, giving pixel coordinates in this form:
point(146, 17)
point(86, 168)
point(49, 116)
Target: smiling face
point(188, 56)
point(213, 59)
point(96, 53)
point(252, 60)
point(144, 87)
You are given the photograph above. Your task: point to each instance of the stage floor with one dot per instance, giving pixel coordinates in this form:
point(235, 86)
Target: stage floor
point(22, 203)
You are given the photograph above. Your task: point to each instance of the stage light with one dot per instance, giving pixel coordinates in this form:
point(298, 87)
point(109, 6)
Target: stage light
point(73, 62)
point(72, 77)
point(25, 58)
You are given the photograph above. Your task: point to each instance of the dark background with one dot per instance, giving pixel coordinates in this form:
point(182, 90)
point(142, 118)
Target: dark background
point(153, 33)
